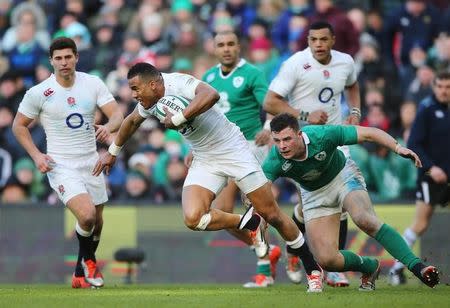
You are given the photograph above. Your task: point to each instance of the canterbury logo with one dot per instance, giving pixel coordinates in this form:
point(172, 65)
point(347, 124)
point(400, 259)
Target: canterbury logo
point(48, 92)
point(306, 66)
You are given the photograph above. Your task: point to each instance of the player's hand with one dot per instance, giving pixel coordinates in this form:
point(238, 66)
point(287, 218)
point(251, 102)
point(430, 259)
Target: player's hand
point(407, 153)
point(188, 159)
point(168, 119)
point(438, 175)
point(101, 133)
point(318, 117)
point(44, 162)
point(352, 120)
point(262, 138)
point(104, 163)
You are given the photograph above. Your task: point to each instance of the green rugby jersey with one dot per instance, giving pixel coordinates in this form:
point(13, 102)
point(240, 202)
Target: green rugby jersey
point(242, 93)
point(324, 161)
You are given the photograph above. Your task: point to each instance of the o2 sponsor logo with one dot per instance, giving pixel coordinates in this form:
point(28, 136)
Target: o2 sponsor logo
point(76, 120)
point(325, 95)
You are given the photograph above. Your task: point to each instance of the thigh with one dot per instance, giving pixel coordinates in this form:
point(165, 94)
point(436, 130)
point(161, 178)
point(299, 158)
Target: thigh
point(358, 205)
point(196, 201)
point(95, 186)
point(252, 182)
point(66, 182)
point(226, 199)
point(206, 176)
point(323, 234)
point(81, 206)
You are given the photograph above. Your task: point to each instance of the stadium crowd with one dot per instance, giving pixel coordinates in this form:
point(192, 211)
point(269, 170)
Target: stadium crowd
point(398, 46)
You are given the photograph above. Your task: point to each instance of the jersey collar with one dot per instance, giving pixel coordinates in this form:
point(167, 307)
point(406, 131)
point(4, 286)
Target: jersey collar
point(306, 139)
point(240, 64)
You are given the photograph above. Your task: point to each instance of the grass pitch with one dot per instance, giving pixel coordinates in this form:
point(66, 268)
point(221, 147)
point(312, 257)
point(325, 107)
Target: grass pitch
point(221, 295)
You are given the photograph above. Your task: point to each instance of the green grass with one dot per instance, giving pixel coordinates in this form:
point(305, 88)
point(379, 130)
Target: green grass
point(221, 295)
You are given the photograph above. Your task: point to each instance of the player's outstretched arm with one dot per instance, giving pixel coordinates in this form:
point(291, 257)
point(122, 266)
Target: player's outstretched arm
point(126, 130)
point(373, 134)
point(20, 129)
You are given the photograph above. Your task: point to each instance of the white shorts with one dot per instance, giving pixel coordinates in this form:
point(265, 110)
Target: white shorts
point(329, 199)
point(240, 166)
point(260, 152)
point(70, 178)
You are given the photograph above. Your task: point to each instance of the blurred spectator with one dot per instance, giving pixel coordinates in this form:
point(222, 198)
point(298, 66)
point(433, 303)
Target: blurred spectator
point(164, 60)
point(242, 13)
point(15, 149)
point(26, 17)
point(269, 11)
point(258, 29)
point(439, 54)
point(416, 23)
point(5, 10)
point(376, 117)
point(5, 167)
point(375, 26)
point(134, 51)
point(12, 89)
point(407, 114)
point(30, 179)
point(221, 20)
point(105, 55)
point(137, 186)
point(43, 70)
point(82, 37)
point(344, 31)
point(420, 87)
point(183, 65)
point(284, 32)
point(13, 192)
point(264, 57)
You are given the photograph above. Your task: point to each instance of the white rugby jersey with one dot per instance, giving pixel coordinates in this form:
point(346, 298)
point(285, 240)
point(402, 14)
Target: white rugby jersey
point(67, 114)
point(210, 133)
point(309, 85)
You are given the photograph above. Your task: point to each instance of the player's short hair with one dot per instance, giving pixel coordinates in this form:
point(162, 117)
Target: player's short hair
point(62, 43)
point(227, 32)
point(144, 70)
point(442, 75)
point(322, 25)
point(282, 121)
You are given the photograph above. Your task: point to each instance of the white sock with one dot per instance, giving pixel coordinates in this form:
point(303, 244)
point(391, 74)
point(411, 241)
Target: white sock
point(83, 232)
point(410, 237)
point(297, 243)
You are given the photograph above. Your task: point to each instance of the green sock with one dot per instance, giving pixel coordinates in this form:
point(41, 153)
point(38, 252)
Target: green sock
point(263, 267)
point(356, 263)
point(394, 243)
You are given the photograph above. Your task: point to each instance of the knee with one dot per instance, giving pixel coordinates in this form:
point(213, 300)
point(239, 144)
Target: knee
point(368, 223)
point(87, 220)
point(273, 218)
point(197, 220)
point(327, 260)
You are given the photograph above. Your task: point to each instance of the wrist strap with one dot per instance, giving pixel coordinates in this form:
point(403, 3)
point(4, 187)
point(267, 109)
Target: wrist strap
point(303, 116)
point(267, 124)
point(178, 119)
point(114, 150)
point(356, 112)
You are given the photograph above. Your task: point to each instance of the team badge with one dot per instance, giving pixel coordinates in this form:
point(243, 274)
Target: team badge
point(48, 92)
point(210, 77)
point(439, 114)
point(326, 74)
point(306, 66)
point(286, 166)
point(71, 101)
point(61, 189)
point(238, 81)
point(320, 156)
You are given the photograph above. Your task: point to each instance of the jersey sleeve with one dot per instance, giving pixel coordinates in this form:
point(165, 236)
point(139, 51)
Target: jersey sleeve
point(186, 85)
point(104, 96)
point(259, 86)
point(285, 80)
point(30, 106)
point(271, 165)
point(341, 134)
point(351, 78)
point(145, 113)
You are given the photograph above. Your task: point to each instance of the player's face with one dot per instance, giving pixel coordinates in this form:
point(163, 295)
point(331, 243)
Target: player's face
point(227, 49)
point(64, 62)
point(320, 42)
point(441, 89)
point(147, 93)
point(289, 143)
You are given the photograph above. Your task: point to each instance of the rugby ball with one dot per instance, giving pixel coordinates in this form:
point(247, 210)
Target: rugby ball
point(173, 103)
